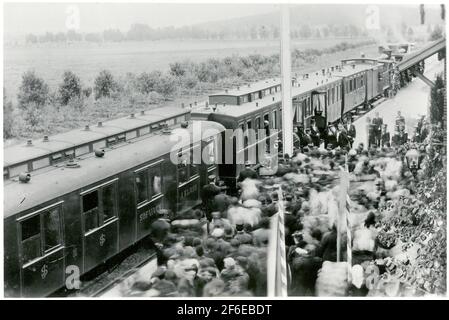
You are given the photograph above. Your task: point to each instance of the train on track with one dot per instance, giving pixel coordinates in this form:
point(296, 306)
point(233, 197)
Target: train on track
point(74, 200)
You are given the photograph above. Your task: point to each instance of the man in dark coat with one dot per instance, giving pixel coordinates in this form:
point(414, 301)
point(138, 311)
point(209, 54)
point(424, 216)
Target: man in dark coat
point(304, 139)
point(315, 134)
point(378, 122)
point(248, 172)
point(320, 122)
point(208, 194)
point(331, 137)
point(371, 135)
point(350, 129)
point(328, 246)
point(343, 140)
point(400, 121)
point(385, 136)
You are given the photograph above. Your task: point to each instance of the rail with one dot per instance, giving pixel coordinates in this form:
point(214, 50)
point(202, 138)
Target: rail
point(123, 277)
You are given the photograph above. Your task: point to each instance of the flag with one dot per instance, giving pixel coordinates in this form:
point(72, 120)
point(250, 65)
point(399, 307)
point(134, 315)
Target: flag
point(277, 262)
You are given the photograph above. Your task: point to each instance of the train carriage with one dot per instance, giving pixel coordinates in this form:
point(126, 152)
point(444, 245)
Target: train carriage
point(72, 216)
point(251, 131)
point(320, 91)
point(354, 78)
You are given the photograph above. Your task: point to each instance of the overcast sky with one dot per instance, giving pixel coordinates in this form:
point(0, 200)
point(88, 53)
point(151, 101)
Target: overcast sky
point(22, 18)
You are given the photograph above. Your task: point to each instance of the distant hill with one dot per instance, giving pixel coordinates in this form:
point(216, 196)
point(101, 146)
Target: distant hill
point(308, 21)
point(329, 14)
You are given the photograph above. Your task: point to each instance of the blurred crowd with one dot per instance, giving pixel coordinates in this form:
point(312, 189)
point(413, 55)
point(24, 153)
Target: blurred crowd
point(220, 248)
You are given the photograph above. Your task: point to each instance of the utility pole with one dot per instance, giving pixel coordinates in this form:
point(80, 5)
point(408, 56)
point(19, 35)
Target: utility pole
point(286, 82)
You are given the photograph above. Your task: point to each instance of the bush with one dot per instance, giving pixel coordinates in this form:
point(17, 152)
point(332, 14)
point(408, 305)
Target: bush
point(77, 103)
point(189, 81)
point(105, 85)
point(33, 114)
point(87, 92)
point(8, 119)
point(70, 87)
point(437, 100)
point(147, 82)
point(166, 86)
point(33, 90)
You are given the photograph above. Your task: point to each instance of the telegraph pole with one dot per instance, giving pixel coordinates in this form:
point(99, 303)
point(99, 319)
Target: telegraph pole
point(286, 82)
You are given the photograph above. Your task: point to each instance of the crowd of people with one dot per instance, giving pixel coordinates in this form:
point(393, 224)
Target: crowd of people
point(220, 248)
point(341, 135)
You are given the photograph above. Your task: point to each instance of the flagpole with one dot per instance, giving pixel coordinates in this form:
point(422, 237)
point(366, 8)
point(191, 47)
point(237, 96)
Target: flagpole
point(286, 82)
point(282, 272)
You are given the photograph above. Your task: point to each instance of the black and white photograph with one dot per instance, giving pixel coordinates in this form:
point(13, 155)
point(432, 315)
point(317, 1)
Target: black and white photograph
point(225, 150)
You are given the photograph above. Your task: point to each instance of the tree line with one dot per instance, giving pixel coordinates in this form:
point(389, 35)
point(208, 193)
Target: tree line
point(143, 32)
point(43, 110)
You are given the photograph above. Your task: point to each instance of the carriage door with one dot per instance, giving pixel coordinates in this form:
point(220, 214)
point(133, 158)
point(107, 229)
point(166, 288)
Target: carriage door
point(100, 224)
point(188, 178)
point(148, 186)
point(41, 250)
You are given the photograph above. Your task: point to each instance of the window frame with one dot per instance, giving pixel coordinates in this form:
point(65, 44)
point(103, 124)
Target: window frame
point(101, 221)
point(149, 189)
point(190, 151)
point(43, 252)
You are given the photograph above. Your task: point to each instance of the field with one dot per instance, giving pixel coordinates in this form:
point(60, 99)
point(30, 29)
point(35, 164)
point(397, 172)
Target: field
point(86, 59)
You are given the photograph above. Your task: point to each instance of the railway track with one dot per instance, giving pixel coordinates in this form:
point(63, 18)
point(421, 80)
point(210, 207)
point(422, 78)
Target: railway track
point(147, 266)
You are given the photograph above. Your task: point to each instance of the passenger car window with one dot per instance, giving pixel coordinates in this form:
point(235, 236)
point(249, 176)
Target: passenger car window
point(31, 239)
point(90, 210)
point(108, 197)
point(194, 161)
point(99, 206)
point(141, 186)
point(183, 174)
point(51, 224)
point(156, 180)
point(40, 233)
point(209, 153)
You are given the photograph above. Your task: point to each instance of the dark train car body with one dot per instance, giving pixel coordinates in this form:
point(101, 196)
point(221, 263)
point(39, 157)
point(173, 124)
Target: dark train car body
point(73, 216)
point(262, 115)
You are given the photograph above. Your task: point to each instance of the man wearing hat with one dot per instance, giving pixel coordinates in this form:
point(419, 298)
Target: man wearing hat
point(241, 235)
point(343, 140)
point(378, 122)
point(248, 172)
point(208, 194)
point(314, 133)
point(350, 129)
point(320, 122)
point(304, 137)
point(331, 136)
point(371, 133)
point(400, 121)
point(385, 136)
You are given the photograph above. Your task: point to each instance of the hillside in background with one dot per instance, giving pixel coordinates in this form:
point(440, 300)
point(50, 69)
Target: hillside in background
point(330, 14)
point(397, 23)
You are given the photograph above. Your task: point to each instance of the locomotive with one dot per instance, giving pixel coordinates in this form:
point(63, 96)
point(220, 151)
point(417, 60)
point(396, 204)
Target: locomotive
point(77, 199)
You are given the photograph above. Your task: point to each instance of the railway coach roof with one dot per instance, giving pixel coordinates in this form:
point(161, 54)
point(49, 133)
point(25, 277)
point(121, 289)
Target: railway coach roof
point(351, 69)
point(52, 182)
point(302, 86)
point(22, 152)
point(249, 88)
